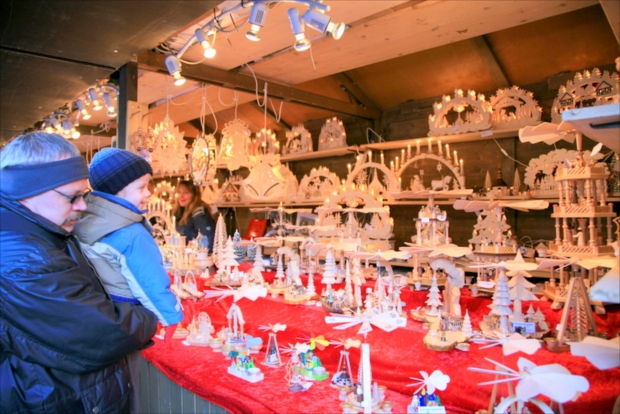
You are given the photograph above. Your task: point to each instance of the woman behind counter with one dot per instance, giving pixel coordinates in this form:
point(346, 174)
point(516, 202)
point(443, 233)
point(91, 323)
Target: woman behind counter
point(192, 214)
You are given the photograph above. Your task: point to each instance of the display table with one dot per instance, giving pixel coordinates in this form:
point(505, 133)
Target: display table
point(394, 356)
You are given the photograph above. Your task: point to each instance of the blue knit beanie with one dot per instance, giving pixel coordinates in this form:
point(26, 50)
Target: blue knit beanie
point(112, 169)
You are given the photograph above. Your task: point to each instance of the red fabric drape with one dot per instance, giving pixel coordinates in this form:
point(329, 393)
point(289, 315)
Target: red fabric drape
point(395, 357)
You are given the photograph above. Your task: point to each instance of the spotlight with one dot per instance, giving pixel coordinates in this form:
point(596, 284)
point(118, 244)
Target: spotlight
point(93, 98)
point(174, 68)
point(66, 128)
point(297, 25)
point(204, 42)
point(257, 20)
point(82, 109)
point(75, 134)
point(322, 23)
point(108, 104)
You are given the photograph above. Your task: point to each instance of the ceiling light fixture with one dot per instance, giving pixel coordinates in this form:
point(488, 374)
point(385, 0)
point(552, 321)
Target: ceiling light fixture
point(174, 68)
point(209, 50)
point(83, 111)
point(322, 23)
point(94, 100)
point(258, 15)
point(297, 25)
point(314, 17)
point(108, 104)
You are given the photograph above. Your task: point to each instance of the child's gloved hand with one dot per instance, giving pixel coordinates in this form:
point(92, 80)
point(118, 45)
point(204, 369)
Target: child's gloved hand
point(169, 332)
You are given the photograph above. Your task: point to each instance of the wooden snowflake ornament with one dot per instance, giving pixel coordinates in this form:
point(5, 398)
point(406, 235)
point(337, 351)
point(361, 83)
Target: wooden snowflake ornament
point(169, 155)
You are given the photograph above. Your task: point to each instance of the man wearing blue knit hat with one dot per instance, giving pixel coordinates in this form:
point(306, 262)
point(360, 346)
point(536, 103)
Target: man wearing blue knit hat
point(117, 240)
point(55, 312)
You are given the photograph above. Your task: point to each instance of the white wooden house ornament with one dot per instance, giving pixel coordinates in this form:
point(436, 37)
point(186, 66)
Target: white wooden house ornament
point(473, 113)
point(233, 152)
point(514, 108)
point(298, 140)
point(586, 89)
point(318, 185)
point(169, 155)
point(332, 135)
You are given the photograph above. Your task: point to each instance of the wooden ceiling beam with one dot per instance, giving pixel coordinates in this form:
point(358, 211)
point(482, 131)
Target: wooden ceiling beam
point(202, 73)
point(482, 46)
point(349, 86)
point(612, 11)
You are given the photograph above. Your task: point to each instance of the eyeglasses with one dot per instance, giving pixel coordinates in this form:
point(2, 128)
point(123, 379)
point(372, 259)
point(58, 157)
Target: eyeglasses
point(73, 199)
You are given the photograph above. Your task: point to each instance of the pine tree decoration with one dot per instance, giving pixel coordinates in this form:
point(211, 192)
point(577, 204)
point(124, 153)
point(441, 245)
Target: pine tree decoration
point(520, 291)
point(433, 300)
point(487, 181)
point(501, 301)
point(529, 317)
point(239, 250)
point(280, 269)
point(330, 270)
point(227, 260)
point(251, 250)
point(348, 287)
point(466, 329)
point(539, 318)
point(490, 229)
point(258, 258)
point(517, 182)
point(220, 236)
point(311, 289)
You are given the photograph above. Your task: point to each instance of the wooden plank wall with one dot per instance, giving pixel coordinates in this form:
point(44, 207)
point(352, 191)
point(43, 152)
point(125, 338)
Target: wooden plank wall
point(410, 120)
point(159, 394)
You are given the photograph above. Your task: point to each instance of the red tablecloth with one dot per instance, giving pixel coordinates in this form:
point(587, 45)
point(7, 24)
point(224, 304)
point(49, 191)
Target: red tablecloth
point(395, 357)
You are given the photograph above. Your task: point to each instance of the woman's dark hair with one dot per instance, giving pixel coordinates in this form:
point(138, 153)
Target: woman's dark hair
point(193, 204)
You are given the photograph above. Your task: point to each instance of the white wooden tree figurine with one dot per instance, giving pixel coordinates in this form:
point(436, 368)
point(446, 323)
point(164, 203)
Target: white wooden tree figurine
point(311, 289)
point(519, 291)
point(220, 237)
point(330, 270)
point(501, 301)
point(227, 259)
point(434, 300)
point(258, 258)
point(466, 329)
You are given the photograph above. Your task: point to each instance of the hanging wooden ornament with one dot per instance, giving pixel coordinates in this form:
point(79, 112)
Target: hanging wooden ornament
point(586, 89)
point(202, 161)
point(269, 181)
point(472, 114)
point(233, 152)
point(332, 135)
point(169, 155)
point(514, 108)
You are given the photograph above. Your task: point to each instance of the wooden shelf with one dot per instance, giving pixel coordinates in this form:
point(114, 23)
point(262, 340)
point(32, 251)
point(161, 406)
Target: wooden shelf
point(420, 202)
point(445, 139)
point(335, 152)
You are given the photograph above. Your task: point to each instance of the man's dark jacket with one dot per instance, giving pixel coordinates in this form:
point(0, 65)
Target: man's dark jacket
point(62, 341)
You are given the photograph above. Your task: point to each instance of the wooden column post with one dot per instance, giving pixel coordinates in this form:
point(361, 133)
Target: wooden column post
point(128, 85)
